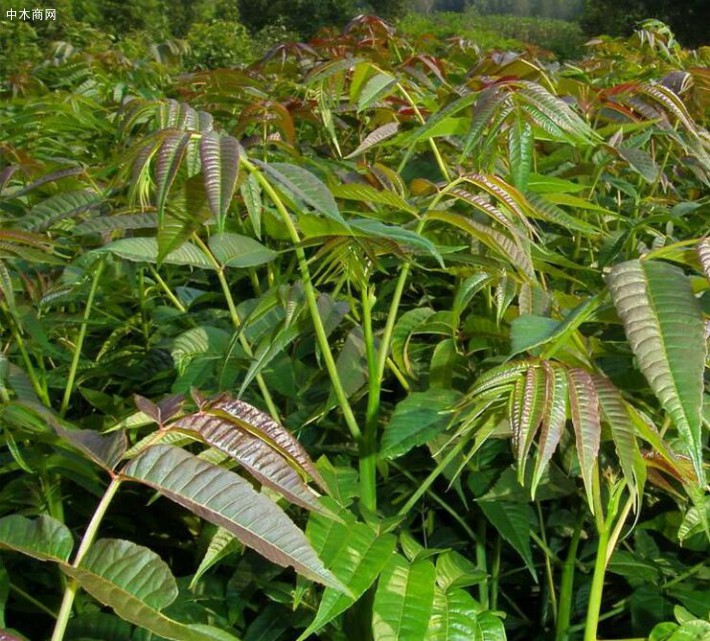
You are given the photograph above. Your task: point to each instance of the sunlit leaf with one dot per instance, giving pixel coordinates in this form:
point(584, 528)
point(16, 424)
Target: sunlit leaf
point(403, 600)
point(227, 500)
point(43, 538)
point(220, 166)
point(356, 553)
point(137, 584)
point(584, 410)
point(664, 325)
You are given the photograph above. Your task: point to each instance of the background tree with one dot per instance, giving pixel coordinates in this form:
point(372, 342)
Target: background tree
point(688, 19)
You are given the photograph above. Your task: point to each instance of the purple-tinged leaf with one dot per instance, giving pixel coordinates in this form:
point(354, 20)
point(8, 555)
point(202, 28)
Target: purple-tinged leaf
point(255, 422)
point(168, 160)
point(616, 414)
point(226, 499)
point(261, 460)
point(220, 167)
point(584, 409)
point(527, 417)
point(553, 420)
point(378, 135)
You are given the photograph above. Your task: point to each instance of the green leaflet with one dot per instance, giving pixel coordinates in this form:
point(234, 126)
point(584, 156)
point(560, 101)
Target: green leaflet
point(356, 553)
point(137, 584)
point(43, 538)
point(512, 521)
point(453, 617)
point(664, 325)
point(222, 544)
point(60, 207)
point(368, 194)
point(145, 250)
point(373, 138)
point(453, 570)
point(234, 250)
point(374, 89)
point(407, 325)
point(404, 600)
point(520, 153)
point(227, 500)
point(416, 420)
point(302, 185)
point(616, 414)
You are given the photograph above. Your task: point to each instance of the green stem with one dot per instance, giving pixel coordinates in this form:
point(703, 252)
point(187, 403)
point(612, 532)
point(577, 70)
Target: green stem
point(435, 150)
point(564, 609)
point(30, 599)
point(39, 389)
point(495, 573)
point(548, 562)
point(86, 542)
point(236, 321)
point(368, 453)
point(435, 473)
point(608, 535)
point(168, 292)
point(80, 340)
point(481, 563)
point(309, 292)
point(595, 594)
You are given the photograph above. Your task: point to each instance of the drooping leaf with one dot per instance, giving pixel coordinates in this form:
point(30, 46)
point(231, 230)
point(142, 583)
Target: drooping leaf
point(416, 420)
point(104, 449)
point(378, 135)
point(527, 414)
point(584, 410)
point(137, 584)
point(374, 89)
point(664, 325)
point(221, 545)
point(356, 553)
point(220, 166)
point(305, 187)
point(256, 455)
point(501, 244)
point(520, 153)
point(453, 617)
point(553, 421)
point(43, 538)
point(234, 250)
point(512, 521)
point(404, 600)
point(145, 250)
point(251, 195)
point(253, 421)
point(616, 414)
point(227, 500)
point(167, 163)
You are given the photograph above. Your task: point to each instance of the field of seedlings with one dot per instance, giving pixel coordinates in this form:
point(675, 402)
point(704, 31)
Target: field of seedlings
point(379, 338)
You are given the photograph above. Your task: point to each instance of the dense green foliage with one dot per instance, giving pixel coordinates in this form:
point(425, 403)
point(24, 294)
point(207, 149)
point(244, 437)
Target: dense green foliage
point(564, 39)
point(377, 338)
point(688, 18)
